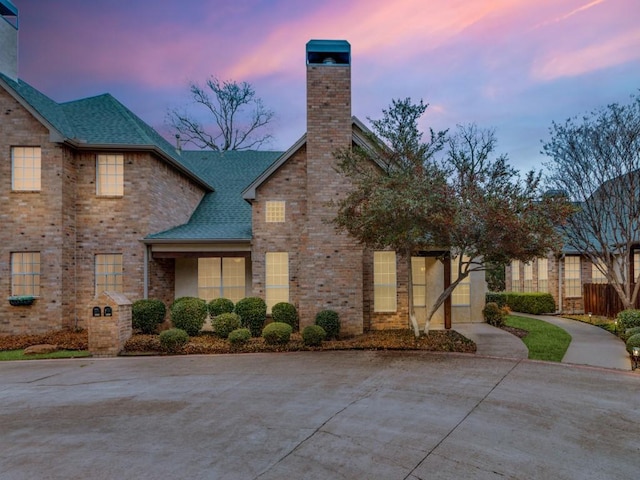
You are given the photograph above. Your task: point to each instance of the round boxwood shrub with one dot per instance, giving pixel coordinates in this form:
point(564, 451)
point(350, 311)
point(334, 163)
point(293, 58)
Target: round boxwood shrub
point(633, 341)
point(218, 306)
point(147, 314)
point(628, 319)
point(629, 332)
point(277, 333)
point(493, 314)
point(253, 313)
point(189, 314)
point(173, 340)
point(225, 323)
point(285, 312)
point(239, 337)
point(330, 321)
point(313, 335)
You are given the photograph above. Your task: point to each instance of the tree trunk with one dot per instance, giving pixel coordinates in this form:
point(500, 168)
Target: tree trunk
point(443, 296)
point(412, 314)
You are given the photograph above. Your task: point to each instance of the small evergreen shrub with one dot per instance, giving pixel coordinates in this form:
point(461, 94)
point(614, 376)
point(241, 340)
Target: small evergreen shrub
point(285, 312)
point(189, 314)
point(535, 302)
point(628, 332)
point(253, 314)
point(225, 323)
point(218, 306)
point(173, 340)
point(330, 322)
point(178, 300)
point(633, 341)
point(628, 319)
point(147, 314)
point(313, 335)
point(239, 337)
point(493, 314)
point(277, 333)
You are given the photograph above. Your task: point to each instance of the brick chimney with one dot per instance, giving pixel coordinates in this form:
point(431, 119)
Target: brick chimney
point(331, 277)
point(9, 39)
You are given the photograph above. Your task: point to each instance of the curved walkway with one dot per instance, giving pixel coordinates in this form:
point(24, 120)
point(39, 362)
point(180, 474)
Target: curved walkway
point(589, 345)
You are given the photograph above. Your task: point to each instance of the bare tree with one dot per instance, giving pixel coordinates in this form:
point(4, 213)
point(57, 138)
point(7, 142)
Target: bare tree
point(239, 117)
point(595, 162)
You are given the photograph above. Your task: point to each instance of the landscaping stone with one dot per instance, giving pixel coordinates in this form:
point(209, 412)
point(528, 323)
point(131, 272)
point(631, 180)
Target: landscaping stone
point(40, 349)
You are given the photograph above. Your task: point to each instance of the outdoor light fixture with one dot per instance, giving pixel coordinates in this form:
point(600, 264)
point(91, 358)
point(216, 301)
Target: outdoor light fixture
point(589, 316)
point(635, 357)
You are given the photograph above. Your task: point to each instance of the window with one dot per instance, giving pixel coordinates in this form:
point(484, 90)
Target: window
point(596, 272)
point(275, 211)
point(528, 277)
point(543, 275)
point(515, 276)
point(25, 169)
point(572, 286)
point(636, 266)
point(108, 272)
point(221, 277)
point(25, 273)
point(461, 295)
point(110, 175)
point(277, 278)
point(419, 279)
point(384, 282)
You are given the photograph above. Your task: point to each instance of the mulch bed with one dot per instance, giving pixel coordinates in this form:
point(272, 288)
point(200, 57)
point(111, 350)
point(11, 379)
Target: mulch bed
point(207, 343)
point(518, 332)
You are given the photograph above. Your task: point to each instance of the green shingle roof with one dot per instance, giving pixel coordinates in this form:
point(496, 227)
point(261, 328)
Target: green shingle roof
point(222, 214)
point(100, 121)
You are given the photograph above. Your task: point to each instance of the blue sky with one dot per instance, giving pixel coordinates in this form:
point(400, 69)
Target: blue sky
point(511, 65)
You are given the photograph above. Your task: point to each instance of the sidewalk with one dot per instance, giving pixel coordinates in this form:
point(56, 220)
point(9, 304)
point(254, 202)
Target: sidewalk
point(589, 345)
point(491, 341)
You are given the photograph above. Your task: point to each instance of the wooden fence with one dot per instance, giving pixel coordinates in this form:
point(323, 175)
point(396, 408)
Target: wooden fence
point(601, 299)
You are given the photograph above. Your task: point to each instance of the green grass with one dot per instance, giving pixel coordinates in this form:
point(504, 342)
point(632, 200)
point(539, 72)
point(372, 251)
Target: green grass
point(19, 355)
point(544, 340)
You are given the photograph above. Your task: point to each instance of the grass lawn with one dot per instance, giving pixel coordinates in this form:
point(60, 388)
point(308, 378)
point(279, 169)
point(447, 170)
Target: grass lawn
point(544, 340)
point(19, 355)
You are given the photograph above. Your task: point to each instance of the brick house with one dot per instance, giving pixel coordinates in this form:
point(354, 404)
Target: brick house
point(93, 199)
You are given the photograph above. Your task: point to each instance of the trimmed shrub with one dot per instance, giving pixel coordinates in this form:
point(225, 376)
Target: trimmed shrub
point(189, 314)
point(286, 313)
point(493, 314)
point(218, 306)
point(178, 300)
point(173, 340)
point(633, 341)
point(628, 319)
point(313, 335)
point(330, 322)
point(239, 336)
point(277, 333)
point(225, 323)
point(253, 314)
point(535, 302)
point(624, 336)
point(147, 314)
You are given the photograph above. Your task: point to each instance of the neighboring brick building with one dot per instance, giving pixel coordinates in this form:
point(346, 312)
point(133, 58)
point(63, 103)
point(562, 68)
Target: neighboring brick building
point(92, 198)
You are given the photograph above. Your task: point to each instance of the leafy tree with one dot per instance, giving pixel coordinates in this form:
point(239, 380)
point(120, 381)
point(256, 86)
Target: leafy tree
point(239, 117)
point(595, 162)
point(464, 203)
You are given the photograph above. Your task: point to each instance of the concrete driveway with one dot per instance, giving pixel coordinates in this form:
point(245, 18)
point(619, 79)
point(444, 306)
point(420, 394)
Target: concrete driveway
point(328, 415)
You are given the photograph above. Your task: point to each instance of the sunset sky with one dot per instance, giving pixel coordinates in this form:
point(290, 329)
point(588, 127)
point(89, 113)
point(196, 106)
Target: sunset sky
point(513, 65)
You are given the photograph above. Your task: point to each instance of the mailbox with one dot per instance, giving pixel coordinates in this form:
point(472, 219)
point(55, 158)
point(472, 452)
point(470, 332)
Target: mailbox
point(108, 312)
point(97, 312)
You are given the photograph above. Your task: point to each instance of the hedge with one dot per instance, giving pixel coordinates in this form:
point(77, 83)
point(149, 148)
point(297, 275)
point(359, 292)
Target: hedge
point(535, 303)
point(147, 314)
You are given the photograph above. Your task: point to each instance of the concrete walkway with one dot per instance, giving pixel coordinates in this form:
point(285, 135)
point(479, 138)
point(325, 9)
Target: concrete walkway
point(589, 345)
point(493, 342)
point(316, 415)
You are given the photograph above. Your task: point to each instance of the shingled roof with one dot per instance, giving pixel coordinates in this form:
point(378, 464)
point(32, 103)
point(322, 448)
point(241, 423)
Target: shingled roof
point(100, 122)
point(223, 215)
